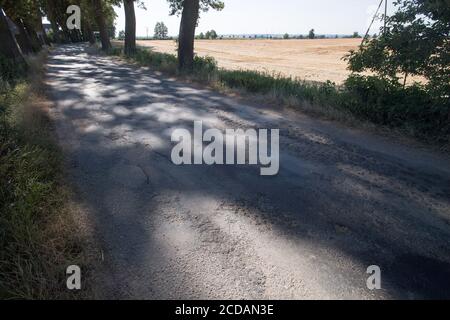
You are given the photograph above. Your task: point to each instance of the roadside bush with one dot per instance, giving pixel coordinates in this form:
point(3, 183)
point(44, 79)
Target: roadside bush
point(9, 71)
point(279, 86)
point(387, 102)
point(205, 68)
point(163, 61)
point(160, 61)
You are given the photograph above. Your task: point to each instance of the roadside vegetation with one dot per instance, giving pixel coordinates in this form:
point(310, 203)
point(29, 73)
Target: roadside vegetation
point(39, 237)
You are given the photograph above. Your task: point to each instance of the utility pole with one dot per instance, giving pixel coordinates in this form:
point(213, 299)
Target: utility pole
point(385, 15)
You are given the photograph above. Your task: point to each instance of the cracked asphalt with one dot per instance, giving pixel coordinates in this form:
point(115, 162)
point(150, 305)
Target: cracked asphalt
point(343, 200)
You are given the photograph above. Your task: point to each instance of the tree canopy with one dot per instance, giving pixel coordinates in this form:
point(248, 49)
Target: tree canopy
point(161, 31)
point(414, 42)
point(176, 6)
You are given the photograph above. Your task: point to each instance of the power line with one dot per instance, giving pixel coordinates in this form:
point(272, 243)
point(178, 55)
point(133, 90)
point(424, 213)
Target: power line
point(373, 20)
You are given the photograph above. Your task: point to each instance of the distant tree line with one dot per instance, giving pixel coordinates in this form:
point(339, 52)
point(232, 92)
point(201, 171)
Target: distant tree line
point(209, 35)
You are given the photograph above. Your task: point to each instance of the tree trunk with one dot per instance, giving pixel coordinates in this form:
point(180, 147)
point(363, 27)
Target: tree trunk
point(188, 24)
point(75, 35)
point(9, 47)
point(40, 28)
point(35, 43)
point(90, 34)
point(65, 34)
point(23, 38)
point(51, 15)
point(99, 17)
point(130, 27)
point(55, 30)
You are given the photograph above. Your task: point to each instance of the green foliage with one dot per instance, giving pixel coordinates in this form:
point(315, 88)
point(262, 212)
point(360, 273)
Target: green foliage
point(160, 61)
point(161, 31)
point(10, 72)
point(378, 100)
point(211, 35)
point(21, 9)
point(286, 36)
point(279, 86)
point(205, 68)
point(386, 102)
point(176, 6)
point(414, 43)
point(311, 34)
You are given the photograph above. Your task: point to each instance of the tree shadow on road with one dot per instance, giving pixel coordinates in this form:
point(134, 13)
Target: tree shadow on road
point(344, 206)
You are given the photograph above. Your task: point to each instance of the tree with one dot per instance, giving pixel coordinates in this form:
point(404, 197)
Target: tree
point(311, 34)
point(213, 35)
point(414, 42)
point(50, 9)
point(286, 36)
point(161, 31)
point(9, 48)
point(24, 15)
point(121, 35)
point(201, 36)
point(355, 35)
point(27, 16)
point(130, 27)
point(189, 10)
point(56, 13)
point(97, 7)
point(87, 22)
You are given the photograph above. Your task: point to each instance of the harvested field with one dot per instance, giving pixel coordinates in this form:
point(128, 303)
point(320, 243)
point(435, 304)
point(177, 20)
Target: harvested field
point(318, 60)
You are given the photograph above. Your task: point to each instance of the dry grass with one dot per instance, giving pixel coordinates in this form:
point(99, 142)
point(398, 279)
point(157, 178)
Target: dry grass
point(316, 60)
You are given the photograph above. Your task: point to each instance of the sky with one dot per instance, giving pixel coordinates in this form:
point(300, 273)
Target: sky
point(265, 17)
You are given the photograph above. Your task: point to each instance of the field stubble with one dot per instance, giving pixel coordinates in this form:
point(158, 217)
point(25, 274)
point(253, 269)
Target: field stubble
point(315, 60)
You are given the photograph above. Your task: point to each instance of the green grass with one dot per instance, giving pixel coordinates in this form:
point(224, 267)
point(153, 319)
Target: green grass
point(413, 110)
point(38, 236)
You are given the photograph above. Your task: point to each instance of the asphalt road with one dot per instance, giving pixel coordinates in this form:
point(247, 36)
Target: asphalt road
point(343, 199)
